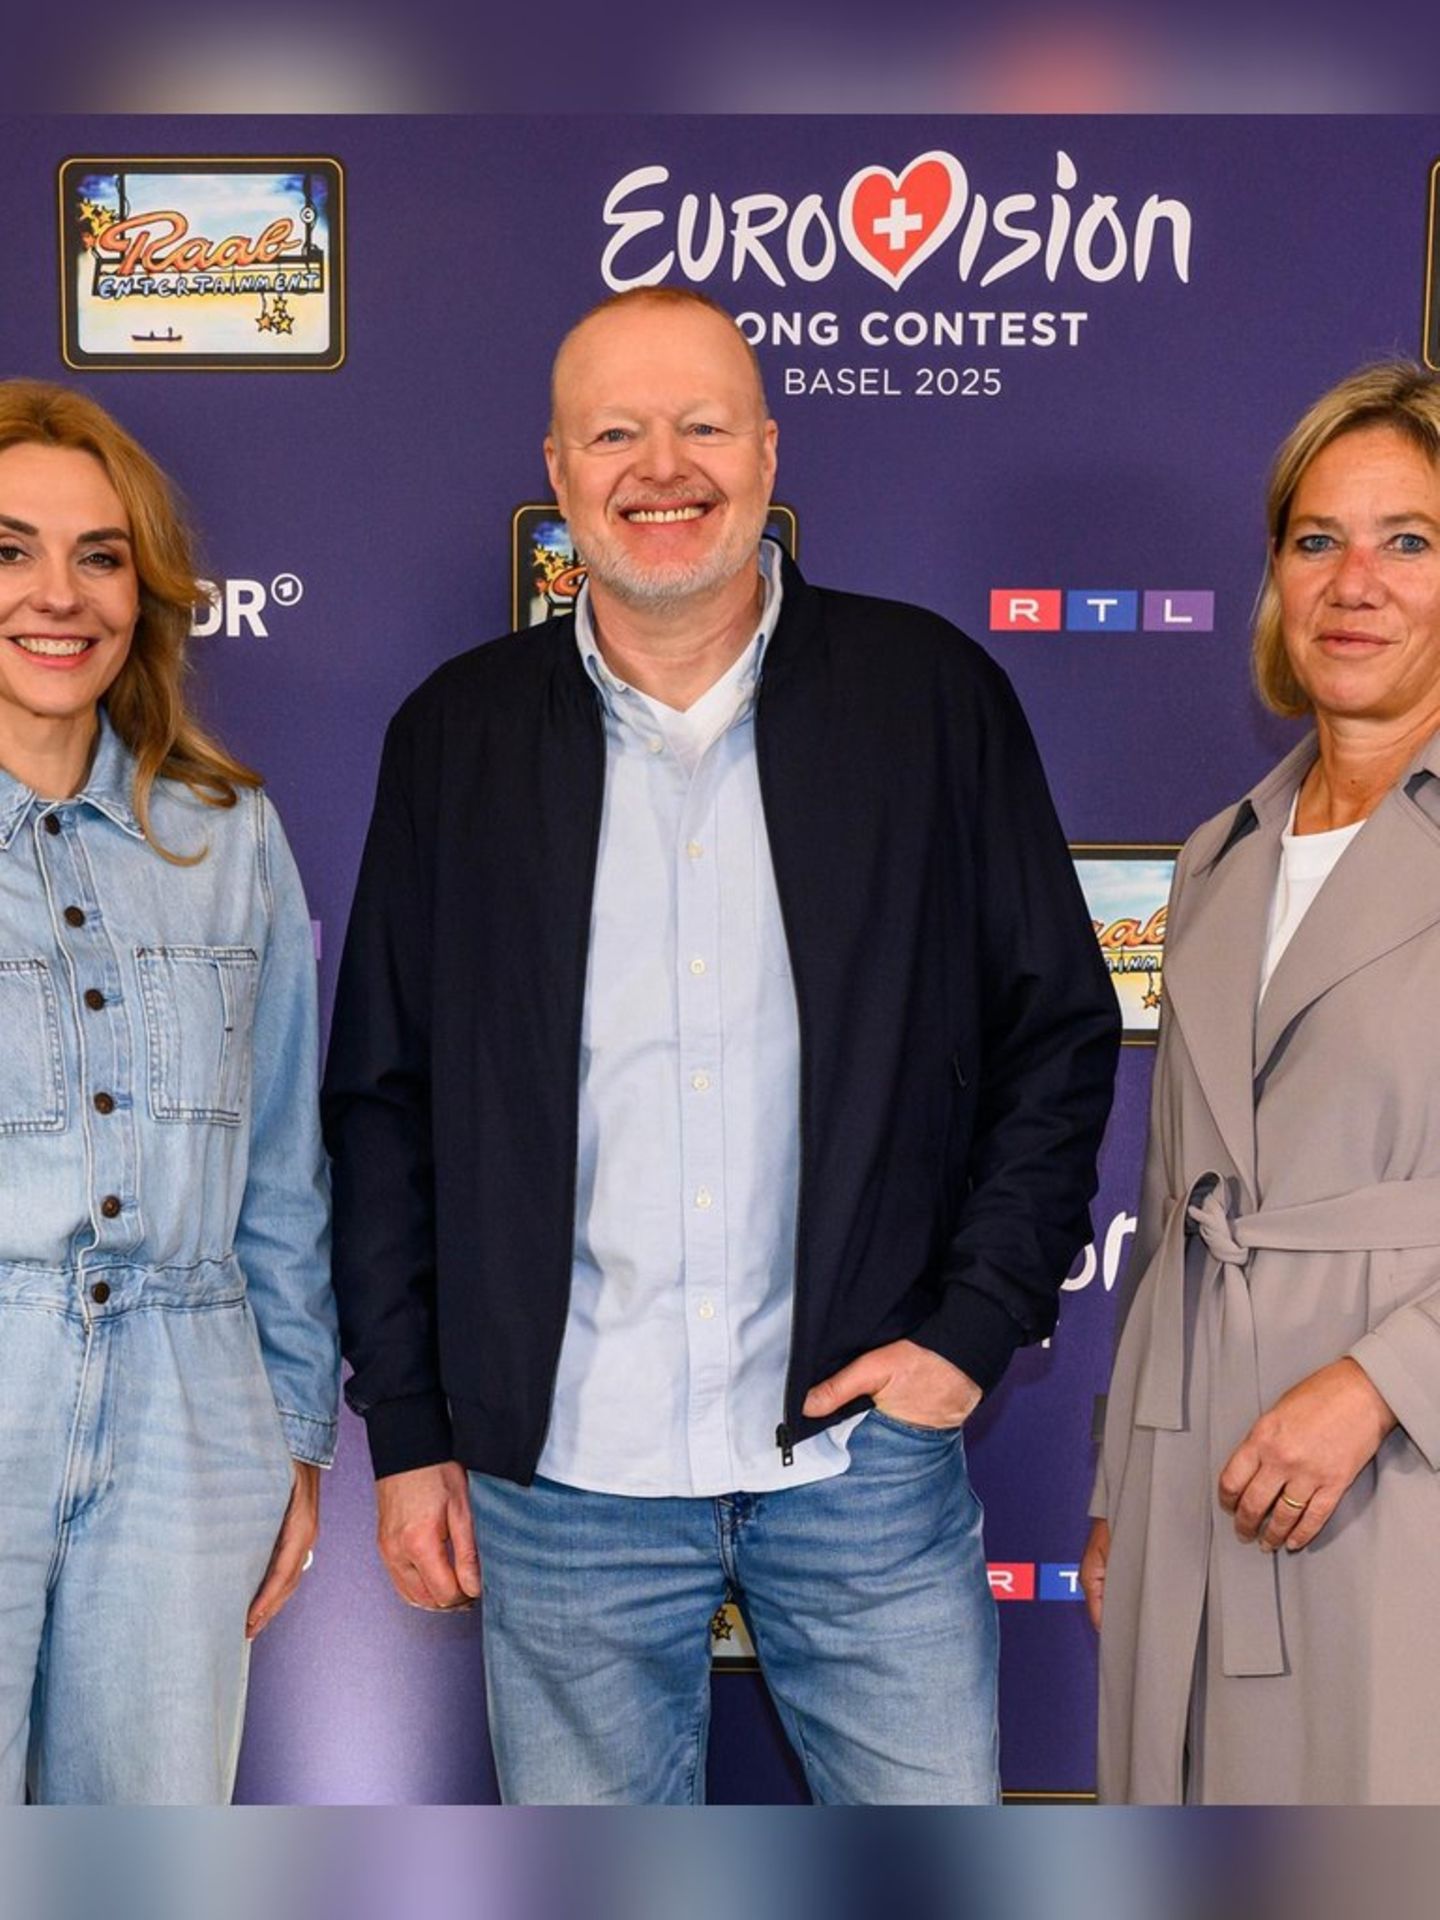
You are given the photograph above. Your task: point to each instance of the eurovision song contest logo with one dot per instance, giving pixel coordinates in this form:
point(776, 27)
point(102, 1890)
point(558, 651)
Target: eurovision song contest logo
point(1048, 243)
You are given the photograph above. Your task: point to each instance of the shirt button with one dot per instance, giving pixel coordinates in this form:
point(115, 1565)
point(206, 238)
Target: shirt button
point(694, 849)
point(94, 999)
point(100, 1292)
point(706, 1310)
point(104, 1103)
point(110, 1206)
point(655, 744)
point(74, 916)
point(700, 1082)
point(52, 823)
point(704, 1198)
point(697, 965)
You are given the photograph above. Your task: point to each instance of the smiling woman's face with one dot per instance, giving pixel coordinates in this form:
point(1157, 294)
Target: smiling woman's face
point(1358, 574)
point(69, 593)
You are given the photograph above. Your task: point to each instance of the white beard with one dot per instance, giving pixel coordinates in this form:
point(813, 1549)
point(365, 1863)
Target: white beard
point(639, 585)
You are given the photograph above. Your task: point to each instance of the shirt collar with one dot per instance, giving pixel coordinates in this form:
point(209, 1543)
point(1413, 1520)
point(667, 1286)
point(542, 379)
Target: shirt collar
point(605, 680)
point(107, 789)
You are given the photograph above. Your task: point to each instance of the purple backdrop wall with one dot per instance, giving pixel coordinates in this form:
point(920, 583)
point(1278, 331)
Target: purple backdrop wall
point(1124, 449)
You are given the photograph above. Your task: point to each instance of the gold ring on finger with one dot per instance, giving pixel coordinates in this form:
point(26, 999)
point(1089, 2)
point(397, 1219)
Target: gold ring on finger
point(1296, 1506)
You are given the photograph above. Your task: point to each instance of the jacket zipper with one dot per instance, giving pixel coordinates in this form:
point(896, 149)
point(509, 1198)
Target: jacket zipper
point(784, 1435)
point(584, 962)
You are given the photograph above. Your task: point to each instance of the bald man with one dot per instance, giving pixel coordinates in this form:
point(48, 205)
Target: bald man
point(720, 1058)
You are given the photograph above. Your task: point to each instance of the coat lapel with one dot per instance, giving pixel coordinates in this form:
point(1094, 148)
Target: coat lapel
point(1384, 890)
point(1214, 950)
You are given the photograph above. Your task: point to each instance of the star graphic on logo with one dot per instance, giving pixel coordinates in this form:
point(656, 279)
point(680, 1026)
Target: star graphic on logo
point(264, 322)
point(281, 319)
point(1151, 996)
point(721, 1626)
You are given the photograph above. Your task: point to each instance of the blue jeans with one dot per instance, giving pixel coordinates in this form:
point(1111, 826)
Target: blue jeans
point(143, 1478)
point(865, 1595)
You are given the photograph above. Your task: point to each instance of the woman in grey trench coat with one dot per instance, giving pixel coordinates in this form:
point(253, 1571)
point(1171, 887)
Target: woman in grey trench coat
point(1266, 1540)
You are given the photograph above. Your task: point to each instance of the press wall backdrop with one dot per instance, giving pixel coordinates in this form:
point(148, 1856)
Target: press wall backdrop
point(1026, 372)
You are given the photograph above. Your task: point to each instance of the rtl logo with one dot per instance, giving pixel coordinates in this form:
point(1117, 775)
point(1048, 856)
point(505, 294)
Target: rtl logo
point(1100, 610)
point(1012, 1579)
point(1015, 1580)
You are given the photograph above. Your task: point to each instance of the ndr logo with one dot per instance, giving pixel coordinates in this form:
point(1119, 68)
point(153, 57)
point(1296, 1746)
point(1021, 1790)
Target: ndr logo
point(1100, 610)
point(234, 607)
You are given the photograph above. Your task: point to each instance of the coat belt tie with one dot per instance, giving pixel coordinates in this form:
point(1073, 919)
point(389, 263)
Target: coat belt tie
point(1207, 1239)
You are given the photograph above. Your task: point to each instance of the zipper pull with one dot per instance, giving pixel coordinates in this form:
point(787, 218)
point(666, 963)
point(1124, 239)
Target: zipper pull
point(783, 1441)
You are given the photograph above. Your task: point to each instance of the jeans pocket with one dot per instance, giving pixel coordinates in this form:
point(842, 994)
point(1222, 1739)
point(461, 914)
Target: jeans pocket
point(913, 1428)
point(32, 1075)
point(199, 1007)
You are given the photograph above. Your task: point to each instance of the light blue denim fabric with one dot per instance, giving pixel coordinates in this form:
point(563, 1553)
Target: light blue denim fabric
point(167, 1332)
point(866, 1596)
point(143, 1478)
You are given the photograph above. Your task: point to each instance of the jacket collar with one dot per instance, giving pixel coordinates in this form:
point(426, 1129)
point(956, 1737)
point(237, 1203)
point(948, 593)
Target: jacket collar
point(1266, 805)
point(108, 788)
point(1212, 971)
point(1268, 802)
point(1384, 890)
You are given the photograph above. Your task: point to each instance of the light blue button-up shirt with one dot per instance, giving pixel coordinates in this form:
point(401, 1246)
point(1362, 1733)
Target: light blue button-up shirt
point(158, 1108)
point(672, 1371)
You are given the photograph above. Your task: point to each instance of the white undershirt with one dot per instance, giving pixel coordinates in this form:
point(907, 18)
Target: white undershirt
point(1306, 861)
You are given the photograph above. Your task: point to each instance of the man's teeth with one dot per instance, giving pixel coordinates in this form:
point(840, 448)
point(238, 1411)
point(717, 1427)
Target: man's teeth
point(657, 516)
point(33, 643)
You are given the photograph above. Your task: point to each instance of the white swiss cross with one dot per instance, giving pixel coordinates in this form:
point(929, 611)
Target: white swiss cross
point(897, 224)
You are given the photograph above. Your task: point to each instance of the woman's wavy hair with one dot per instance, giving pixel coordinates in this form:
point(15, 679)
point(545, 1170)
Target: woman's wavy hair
point(147, 701)
point(1393, 393)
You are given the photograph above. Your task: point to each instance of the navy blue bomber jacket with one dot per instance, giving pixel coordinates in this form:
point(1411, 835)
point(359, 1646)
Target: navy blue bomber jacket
point(957, 1028)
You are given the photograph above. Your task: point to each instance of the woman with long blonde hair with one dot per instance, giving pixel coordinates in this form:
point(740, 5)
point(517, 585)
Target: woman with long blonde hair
point(168, 1369)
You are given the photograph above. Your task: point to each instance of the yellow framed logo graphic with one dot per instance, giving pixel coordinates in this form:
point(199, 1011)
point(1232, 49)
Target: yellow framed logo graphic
point(546, 570)
point(205, 264)
point(1127, 889)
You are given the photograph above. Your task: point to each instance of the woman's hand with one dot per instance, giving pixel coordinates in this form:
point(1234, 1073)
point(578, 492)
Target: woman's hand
point(292, 1547)
point(1092, 1570)
point(1290, 1472)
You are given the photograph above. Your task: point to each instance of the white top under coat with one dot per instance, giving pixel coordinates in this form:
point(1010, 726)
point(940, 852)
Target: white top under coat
point(1306, 863)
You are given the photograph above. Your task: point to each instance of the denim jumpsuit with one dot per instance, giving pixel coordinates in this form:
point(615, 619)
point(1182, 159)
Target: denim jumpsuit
point(167, 1332)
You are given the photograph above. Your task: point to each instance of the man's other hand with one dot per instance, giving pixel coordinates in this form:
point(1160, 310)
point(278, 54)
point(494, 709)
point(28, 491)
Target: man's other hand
point(907, 1381)
point(427, 1538)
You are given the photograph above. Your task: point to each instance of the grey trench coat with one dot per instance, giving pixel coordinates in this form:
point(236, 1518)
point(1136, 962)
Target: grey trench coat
point(1290, 1214)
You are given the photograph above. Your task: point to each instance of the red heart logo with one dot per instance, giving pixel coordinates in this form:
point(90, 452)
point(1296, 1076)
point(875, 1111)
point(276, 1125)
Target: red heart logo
point(891, 222)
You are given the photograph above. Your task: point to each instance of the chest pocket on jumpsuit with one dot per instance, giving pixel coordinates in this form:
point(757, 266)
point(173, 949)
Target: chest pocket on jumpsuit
point(199, 1007)
point(32, 1073)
